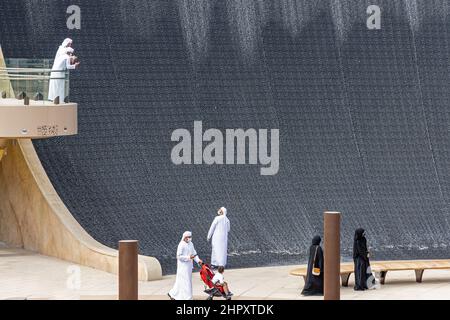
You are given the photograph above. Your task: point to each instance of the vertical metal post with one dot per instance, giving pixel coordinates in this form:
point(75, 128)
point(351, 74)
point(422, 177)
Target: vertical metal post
point(128, 270)
point(332, 255)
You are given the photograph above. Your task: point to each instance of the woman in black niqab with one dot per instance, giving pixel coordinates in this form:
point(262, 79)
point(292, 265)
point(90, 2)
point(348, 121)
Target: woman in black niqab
point(361, 260)
point(314, 283)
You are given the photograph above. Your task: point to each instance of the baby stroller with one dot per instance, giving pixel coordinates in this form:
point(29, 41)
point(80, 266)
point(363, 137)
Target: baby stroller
point(206, 274)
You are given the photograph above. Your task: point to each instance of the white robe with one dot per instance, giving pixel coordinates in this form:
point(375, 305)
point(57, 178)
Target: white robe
point(57, 79)
point(219, 233)
point(182, 289)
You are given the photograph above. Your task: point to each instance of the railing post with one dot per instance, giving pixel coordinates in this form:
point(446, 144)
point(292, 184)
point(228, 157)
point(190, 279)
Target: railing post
point(332, 255)
point(128, 270)
point(21, 95)
point(38, 96)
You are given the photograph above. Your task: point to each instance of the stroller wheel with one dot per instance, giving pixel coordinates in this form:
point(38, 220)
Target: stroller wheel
point(209, 298)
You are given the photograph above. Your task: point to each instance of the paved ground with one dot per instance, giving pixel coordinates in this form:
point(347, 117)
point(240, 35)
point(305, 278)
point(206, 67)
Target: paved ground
point(26, 274)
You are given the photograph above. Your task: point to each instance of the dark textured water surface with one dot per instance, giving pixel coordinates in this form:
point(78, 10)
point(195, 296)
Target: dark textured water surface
point(363, 118)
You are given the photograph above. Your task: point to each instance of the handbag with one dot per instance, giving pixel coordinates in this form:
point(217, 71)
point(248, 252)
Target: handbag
point(315, 271)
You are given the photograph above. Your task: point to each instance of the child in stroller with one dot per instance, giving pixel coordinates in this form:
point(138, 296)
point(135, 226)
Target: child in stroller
point(214, 283)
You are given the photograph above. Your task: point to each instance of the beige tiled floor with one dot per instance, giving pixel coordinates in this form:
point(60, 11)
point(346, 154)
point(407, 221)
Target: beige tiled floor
point(24, 274)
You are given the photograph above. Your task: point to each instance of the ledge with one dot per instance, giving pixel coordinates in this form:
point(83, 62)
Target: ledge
point(38, 120)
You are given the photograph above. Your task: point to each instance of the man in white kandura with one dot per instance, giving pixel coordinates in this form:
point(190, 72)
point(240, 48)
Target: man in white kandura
point(62, 62)
point(182, 290)
point(219, 233)
point(57, 85)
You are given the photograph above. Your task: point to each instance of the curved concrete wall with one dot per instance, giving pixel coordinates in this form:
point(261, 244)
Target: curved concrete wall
point(33, 216)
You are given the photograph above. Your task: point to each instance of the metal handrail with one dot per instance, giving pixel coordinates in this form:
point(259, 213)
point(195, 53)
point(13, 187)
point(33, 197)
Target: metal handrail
point(16, 74)
point(43, 78)
point(28, 81)
point(32, 70)
point(23, 76)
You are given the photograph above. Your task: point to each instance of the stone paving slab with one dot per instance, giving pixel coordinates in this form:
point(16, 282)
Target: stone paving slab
point(24, 274)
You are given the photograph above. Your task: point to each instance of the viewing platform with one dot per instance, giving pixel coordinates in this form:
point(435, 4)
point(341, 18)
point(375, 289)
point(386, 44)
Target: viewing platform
point(36, 120)
point(25, 110)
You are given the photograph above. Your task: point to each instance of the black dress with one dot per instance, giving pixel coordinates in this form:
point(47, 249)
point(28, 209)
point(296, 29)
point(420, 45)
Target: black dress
point(361, 260)
point(314, 284)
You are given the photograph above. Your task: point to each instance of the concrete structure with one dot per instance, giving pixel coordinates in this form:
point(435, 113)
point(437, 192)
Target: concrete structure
point(32, 215)
point(37, 120)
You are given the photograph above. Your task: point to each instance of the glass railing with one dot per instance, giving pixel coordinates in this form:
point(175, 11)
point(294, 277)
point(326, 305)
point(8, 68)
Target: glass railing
point(34, 79)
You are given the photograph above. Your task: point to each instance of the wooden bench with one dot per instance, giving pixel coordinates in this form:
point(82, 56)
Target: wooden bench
point(382, 267)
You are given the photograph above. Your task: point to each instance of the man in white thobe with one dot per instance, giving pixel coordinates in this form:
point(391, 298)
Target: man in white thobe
point(182, 289)
point(219, 233)
point(57, 85)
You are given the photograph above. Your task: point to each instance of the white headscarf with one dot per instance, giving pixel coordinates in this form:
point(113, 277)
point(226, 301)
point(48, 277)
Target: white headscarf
point(63, 48)
point(186, 234)
point(224, 210)
point(66, 42)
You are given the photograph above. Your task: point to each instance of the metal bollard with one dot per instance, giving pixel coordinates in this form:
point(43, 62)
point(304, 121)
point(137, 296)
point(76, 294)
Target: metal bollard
point(332, 255)
point(128, 270)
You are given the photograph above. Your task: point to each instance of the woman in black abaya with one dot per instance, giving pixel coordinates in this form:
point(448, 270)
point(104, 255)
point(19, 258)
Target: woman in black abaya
point(314, 277)
point(361, 260)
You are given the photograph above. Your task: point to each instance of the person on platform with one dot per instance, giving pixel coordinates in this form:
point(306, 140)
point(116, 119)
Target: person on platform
point(182, 289)
point(219, 280)
point(361, 260)
point(57, 85)
point(218, 232)
point(314, 277)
